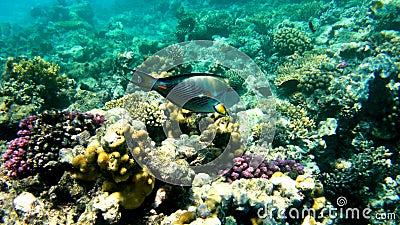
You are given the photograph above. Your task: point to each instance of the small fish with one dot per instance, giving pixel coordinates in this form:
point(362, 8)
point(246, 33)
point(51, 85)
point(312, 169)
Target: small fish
point(311, 26)
point(197, 92)
point(342, 64)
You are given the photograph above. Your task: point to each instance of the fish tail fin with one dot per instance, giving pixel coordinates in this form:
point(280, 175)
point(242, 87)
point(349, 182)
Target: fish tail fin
point(142, 79)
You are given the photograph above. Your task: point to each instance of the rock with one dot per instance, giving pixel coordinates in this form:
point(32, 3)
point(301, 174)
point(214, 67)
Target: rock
point(201, 179)
point(109, 206)
point(25, 202)
point(328, 127)
point(65, 155)
point(207, 221)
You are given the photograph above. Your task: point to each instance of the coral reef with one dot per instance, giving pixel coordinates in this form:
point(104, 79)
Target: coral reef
point(255, 201)
point(32, 85)
point(334, 66)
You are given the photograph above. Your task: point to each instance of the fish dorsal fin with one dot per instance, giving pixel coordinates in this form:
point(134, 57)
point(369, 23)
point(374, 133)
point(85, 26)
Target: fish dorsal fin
point(190, 75)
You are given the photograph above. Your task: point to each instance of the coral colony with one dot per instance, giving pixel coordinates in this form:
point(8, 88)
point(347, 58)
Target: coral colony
point(15, 156)
point(248, 166)
point(40, 137)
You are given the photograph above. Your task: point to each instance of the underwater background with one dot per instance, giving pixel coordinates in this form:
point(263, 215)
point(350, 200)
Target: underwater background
point(328, 132)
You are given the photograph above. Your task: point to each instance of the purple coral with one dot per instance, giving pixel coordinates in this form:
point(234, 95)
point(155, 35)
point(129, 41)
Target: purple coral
point(248, 166)
point(15, 157)
point(41, 137)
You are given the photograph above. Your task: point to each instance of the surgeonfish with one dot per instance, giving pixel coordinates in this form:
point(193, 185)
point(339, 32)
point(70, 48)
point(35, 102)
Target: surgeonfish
point(197, 92)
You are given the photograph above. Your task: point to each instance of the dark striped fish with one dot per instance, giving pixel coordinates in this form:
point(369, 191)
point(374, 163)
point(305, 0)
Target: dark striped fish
point(197, 92)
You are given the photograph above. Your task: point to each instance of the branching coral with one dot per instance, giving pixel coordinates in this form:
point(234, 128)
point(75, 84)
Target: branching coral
point(218, 23)
point(41, 138)
point(142, 107)
point(347, 172)
point(186, 24)
point(309, 72)
point(294, 121)
point(249, 166)
point(385, 14)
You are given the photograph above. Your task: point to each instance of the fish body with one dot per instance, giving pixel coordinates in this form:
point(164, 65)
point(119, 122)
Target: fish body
point(198, 92)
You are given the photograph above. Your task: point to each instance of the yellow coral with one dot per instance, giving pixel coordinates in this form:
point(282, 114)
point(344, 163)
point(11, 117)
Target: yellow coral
point(132, 194)
point(319, 203)
point(186, 218)
point(127, 182)
point(87, 171)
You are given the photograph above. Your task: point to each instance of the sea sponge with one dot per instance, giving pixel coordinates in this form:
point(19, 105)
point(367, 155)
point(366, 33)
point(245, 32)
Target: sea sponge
point(289, 40)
